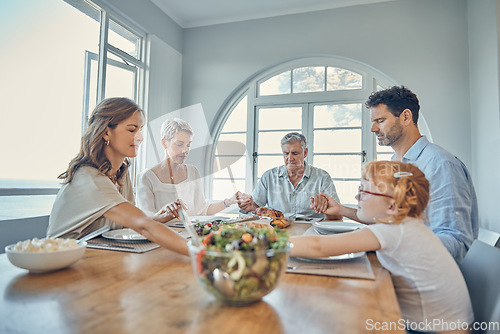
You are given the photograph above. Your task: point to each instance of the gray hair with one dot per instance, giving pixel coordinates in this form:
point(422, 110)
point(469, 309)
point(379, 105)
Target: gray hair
point(293, 137)
point(171, 126)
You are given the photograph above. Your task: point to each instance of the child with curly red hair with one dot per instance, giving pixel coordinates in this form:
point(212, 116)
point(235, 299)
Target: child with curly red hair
point(430, 288)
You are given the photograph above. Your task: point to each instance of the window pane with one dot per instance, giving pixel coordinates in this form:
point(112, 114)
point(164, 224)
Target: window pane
point(340, 166)
point(266, 162)
point(279, 84)
point(384, 156)
point(270, 142)
point(337, 115)
point(309, 79)
point(225, 188)
point(339, 78)
point(123, 39)
point(280, 118)
point(347, 191)
point(92, 93)
point(225, 166)
point(43, 90)
point(15, 207)
point(337, 141)
point(120, 82)
point(224, 146)
point(384, 149)
point(384, 152)
point(237, 121)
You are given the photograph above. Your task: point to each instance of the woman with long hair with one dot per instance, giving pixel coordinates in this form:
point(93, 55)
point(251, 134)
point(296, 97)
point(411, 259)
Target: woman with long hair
point(97, 190)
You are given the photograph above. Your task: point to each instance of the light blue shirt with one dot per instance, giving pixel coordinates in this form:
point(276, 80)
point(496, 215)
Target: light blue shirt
point(452, 212)
point(276, 191)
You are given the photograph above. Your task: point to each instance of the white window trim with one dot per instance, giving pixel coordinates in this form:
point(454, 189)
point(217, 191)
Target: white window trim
point(141, 92)
point(371, 79)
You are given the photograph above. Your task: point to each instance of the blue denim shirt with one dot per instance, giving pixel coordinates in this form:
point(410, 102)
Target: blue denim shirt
point(276, 190)
point(452, 212)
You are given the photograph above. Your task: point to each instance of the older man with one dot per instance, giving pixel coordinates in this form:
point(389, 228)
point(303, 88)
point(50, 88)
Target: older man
point(452, 212)
point(294, 187)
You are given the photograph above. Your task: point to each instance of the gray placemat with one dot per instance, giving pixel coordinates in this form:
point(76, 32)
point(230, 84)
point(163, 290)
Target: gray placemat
point(133, 247)
point(129, 246)
point(359, 267)
point(355, 268)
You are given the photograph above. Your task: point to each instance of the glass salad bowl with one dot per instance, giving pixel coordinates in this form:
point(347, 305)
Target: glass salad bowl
point(239, 264)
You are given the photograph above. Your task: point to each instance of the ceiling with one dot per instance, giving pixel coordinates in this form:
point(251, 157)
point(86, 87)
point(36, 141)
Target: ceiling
point(197, 13)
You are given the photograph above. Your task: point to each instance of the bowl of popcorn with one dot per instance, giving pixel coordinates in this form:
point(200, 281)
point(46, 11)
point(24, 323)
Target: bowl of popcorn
point(48, 254)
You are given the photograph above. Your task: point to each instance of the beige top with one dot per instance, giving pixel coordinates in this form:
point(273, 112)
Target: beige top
point(80, 205)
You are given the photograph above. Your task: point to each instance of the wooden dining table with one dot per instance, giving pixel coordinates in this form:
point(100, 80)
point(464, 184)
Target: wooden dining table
point(157, 292)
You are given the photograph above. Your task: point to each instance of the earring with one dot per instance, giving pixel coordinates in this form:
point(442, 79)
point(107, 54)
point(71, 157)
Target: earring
point(107, 142)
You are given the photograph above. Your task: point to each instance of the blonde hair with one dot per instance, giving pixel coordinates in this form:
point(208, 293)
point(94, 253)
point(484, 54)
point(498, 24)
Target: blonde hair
point(171, 126)
point(410, 190)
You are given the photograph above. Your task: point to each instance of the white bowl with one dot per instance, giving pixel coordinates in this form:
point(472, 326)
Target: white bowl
point(45, 261)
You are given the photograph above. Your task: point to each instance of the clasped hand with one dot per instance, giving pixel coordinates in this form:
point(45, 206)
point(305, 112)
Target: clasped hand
point(170, 210)
point(245, 202)
point(325, 204)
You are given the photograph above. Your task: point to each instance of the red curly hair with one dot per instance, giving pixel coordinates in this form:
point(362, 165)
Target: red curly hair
point(410, 190)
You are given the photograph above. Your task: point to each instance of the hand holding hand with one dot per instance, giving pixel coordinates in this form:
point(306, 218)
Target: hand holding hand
point(319, 203)
point(172, 208)
point(233, 199)
point(245, 202)
point(333, 208)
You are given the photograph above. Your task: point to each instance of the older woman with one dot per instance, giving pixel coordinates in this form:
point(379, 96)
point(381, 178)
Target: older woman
point(96, 187)
point(172, 179)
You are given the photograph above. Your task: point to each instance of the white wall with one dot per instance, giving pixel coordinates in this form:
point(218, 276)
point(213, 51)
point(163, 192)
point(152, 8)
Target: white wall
point(423, 44)
point(150, 18)
point(418, 43)
point(164, 95)
point(485, 109)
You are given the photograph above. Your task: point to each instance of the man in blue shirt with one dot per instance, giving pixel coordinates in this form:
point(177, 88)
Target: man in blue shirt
point(293, 187)
point(452, 212)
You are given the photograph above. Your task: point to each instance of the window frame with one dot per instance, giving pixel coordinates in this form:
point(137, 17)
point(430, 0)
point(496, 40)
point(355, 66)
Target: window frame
point(106, 14)
point(371, 80)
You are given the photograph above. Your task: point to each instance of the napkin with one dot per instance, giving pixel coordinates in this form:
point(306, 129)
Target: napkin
point(359, 267)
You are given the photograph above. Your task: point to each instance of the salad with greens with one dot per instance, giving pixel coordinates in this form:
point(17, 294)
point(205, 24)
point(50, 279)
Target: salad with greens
point(205, 228)
point(253, 255)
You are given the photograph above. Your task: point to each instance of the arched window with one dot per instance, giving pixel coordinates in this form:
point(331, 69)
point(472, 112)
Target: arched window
point(321, 97)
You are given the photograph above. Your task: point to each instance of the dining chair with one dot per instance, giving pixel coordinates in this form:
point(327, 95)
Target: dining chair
point(14, 230)
point(489, 237)
point(481, 271)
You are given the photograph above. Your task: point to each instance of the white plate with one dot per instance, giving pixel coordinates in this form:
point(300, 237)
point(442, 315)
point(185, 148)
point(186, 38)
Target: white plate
point(332, 258)
point(338, 227)
point(125, 234)
point(205, 219)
